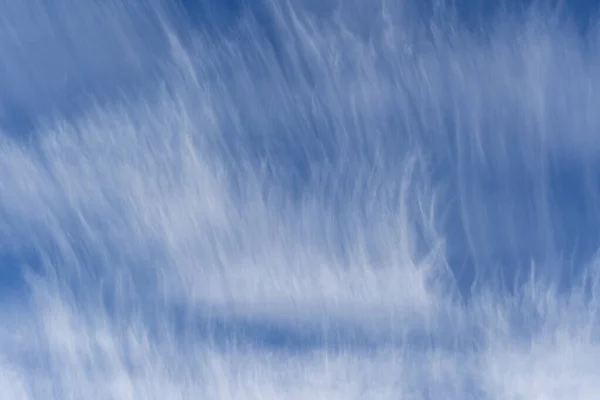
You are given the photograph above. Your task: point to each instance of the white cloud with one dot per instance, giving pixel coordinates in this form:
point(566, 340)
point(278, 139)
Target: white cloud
point(269, 215)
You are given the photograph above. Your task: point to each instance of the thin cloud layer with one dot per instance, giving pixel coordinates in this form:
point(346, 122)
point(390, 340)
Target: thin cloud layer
point(312, 201)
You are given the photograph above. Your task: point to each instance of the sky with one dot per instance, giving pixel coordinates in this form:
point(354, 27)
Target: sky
point(299, 199)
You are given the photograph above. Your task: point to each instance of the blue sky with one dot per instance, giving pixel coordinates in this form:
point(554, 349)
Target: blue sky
point(298, 200)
